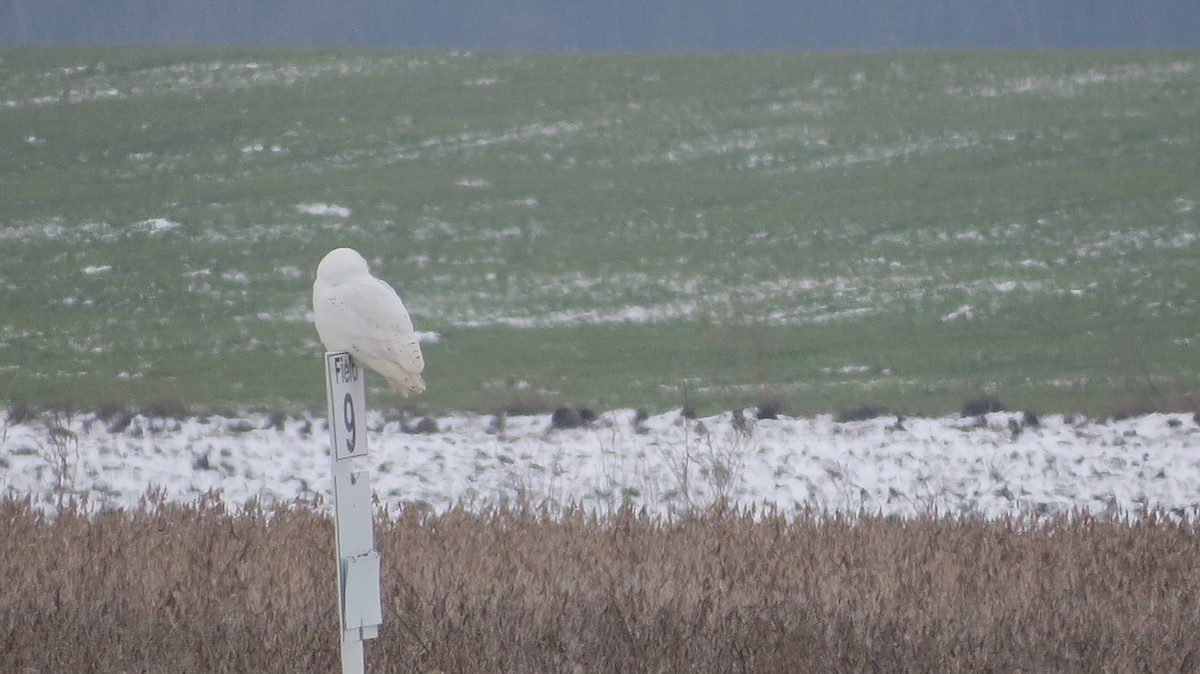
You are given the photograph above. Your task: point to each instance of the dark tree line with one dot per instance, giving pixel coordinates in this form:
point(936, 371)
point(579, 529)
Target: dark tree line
point(614, 25)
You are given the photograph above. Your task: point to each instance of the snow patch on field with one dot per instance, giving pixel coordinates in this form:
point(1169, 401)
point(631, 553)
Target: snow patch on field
point(324, 209)
point(994, 465)
point(157, 225)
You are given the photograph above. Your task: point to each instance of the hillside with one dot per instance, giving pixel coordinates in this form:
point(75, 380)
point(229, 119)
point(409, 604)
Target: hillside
point(614, 231)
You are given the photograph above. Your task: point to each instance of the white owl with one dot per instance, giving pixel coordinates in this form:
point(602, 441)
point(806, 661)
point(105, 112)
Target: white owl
point(363, 315)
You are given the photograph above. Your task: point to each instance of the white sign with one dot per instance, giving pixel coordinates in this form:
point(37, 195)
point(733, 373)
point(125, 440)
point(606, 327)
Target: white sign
point(347, 406)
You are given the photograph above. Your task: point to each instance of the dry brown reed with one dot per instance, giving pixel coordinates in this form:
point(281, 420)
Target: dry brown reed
point(201, 588)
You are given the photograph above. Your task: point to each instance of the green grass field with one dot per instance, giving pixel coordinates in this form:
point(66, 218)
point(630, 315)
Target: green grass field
point(832, 229)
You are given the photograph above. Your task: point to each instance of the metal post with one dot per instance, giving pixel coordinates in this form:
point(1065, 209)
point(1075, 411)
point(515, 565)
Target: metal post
point(360, 610)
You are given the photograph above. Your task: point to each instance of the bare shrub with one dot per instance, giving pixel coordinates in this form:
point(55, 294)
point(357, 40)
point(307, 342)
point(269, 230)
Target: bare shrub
point(640, 417)
point(60, 409)
point(166, 588)
point(115, 415)
point(862, 412)
point(706, 466)
point(772, 406)
point(497, 424)
point(724, 462)
point(426, 425)
point(980, 405)
point(61, 453)
point(166, 409)
point(766, 412)
point(566, 417)
point(19, 413)
point(107, 410)
point(740, 423)
point(276, 419)
point(206, 587)
point(239, 426)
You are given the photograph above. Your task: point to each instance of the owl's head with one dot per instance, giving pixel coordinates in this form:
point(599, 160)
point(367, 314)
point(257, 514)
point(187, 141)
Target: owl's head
point(341, 265)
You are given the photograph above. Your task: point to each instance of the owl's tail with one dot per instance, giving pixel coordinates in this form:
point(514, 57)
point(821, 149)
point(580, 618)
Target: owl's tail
point(407, 384)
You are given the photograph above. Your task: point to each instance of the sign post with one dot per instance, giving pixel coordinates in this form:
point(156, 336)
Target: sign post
point(360, 610)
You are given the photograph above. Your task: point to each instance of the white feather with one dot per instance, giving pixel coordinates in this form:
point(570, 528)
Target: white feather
point(361, 314)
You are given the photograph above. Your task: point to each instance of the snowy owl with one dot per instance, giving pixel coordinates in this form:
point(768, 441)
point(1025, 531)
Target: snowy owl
point(363, 315)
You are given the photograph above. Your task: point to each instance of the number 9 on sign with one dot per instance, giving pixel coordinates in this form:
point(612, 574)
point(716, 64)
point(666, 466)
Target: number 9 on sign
point(351, 431)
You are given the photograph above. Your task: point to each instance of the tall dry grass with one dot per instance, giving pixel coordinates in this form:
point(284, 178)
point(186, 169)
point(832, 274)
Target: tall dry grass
point(200, 588)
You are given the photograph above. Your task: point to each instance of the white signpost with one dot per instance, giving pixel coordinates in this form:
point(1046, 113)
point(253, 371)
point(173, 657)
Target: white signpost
point(359, 607)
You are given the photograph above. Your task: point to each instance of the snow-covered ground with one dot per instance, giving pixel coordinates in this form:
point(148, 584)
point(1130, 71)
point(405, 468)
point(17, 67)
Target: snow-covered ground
point(992, 465)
